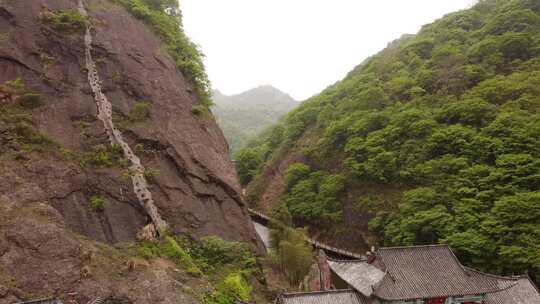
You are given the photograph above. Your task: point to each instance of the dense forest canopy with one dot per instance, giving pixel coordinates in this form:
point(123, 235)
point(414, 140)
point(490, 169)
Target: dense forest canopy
point(450, 117)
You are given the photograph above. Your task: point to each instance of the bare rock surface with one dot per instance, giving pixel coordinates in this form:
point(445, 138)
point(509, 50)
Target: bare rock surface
point(47, 224)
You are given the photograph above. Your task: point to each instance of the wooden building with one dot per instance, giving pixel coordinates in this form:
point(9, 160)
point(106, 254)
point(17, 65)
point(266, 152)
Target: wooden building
point(415, 275)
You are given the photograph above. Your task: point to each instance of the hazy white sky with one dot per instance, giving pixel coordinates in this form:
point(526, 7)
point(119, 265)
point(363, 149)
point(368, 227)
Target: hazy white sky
point(299, 46)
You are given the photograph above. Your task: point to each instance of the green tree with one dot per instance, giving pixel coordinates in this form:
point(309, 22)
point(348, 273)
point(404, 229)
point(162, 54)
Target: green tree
point(516, 221)
point(248, 162)
point(97, 203)
point(295, 173)
point(471, 112)
point(292, 253)
point(445, 126)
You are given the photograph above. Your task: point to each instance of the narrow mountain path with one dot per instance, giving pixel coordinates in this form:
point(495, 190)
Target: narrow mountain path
point(140, 184)
point(262, 221)
point(264, 234)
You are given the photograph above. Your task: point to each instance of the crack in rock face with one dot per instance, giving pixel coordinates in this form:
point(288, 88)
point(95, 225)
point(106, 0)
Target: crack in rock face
point(140, 184)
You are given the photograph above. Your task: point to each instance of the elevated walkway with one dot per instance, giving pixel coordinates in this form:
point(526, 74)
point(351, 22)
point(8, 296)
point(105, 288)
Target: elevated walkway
point(265, 220)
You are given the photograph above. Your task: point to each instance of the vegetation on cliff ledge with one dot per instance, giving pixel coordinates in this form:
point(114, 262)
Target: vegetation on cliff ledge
point(69, 21)
point(17, 124)
point(450, 118)
point(165, 19)
point(228, 266)
point(291, 252)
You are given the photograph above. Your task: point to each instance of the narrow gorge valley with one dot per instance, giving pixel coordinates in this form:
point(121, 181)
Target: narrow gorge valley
point(128, 178)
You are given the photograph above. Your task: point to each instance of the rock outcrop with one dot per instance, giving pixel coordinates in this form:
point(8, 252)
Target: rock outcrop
point(48, 227)
point(140, 184)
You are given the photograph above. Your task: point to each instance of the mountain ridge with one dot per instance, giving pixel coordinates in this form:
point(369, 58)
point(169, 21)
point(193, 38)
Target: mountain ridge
point(244, 115)
point(433, 139)
point(266, 89)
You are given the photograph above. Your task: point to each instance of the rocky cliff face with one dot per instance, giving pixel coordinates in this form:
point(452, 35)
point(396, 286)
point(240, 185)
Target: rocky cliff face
point(56, 156)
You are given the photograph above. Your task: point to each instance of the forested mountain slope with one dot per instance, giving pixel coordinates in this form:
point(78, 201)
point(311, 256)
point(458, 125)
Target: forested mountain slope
point(434, 139)
point(243, 116)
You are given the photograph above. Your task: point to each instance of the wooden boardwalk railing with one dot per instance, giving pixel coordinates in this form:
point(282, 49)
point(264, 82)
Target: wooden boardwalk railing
point(265, 220)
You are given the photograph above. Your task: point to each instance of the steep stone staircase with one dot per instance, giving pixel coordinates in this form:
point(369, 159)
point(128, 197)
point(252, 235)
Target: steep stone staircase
point(140, 184)
point(97, 300)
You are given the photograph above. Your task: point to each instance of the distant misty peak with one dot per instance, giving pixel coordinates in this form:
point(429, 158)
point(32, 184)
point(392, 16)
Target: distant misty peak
point(217, 92)
point(268, 89)
point(261, 95)
point(243, 116)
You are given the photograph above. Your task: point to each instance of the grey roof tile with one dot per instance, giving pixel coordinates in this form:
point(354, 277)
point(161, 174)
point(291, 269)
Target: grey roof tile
point(514, 290)
point(403, 273)
point(345, 296)
point(427, 272)
point(358, 274)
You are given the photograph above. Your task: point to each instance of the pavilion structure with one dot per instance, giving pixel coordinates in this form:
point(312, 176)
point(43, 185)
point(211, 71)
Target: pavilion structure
point(414, 275)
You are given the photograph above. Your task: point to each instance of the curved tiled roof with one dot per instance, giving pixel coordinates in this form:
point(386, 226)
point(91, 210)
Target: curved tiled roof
point(417, 272)
point(358, 274)
point(427, 272)
point(345, 296)
point(515, 290)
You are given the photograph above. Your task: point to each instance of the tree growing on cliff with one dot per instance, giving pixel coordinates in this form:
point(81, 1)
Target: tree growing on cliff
point(248, 162)
point(291, 252)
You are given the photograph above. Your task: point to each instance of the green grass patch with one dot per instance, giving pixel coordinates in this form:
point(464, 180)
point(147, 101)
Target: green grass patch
point(150, 173)
point(97, 203)
point(210, 256)
point(228, 266)
point(102, 156)
point(140, 111)
point(20, 157)
point(68, 21)
point(47, 60)
point(16, 84)
point(32, 139)
point(140, 149)
point(232, 289)
point(164, 19)
point(4, 37)
point(200, 110)
point(213, 254)
point(31, 100)
point(148, 250)
point(138, 114)
point(172, 250)
point(21, 130)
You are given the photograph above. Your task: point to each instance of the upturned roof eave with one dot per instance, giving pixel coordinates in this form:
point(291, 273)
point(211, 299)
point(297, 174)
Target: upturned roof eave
point(371, 287)
point(441, 295)
point(456, 260)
